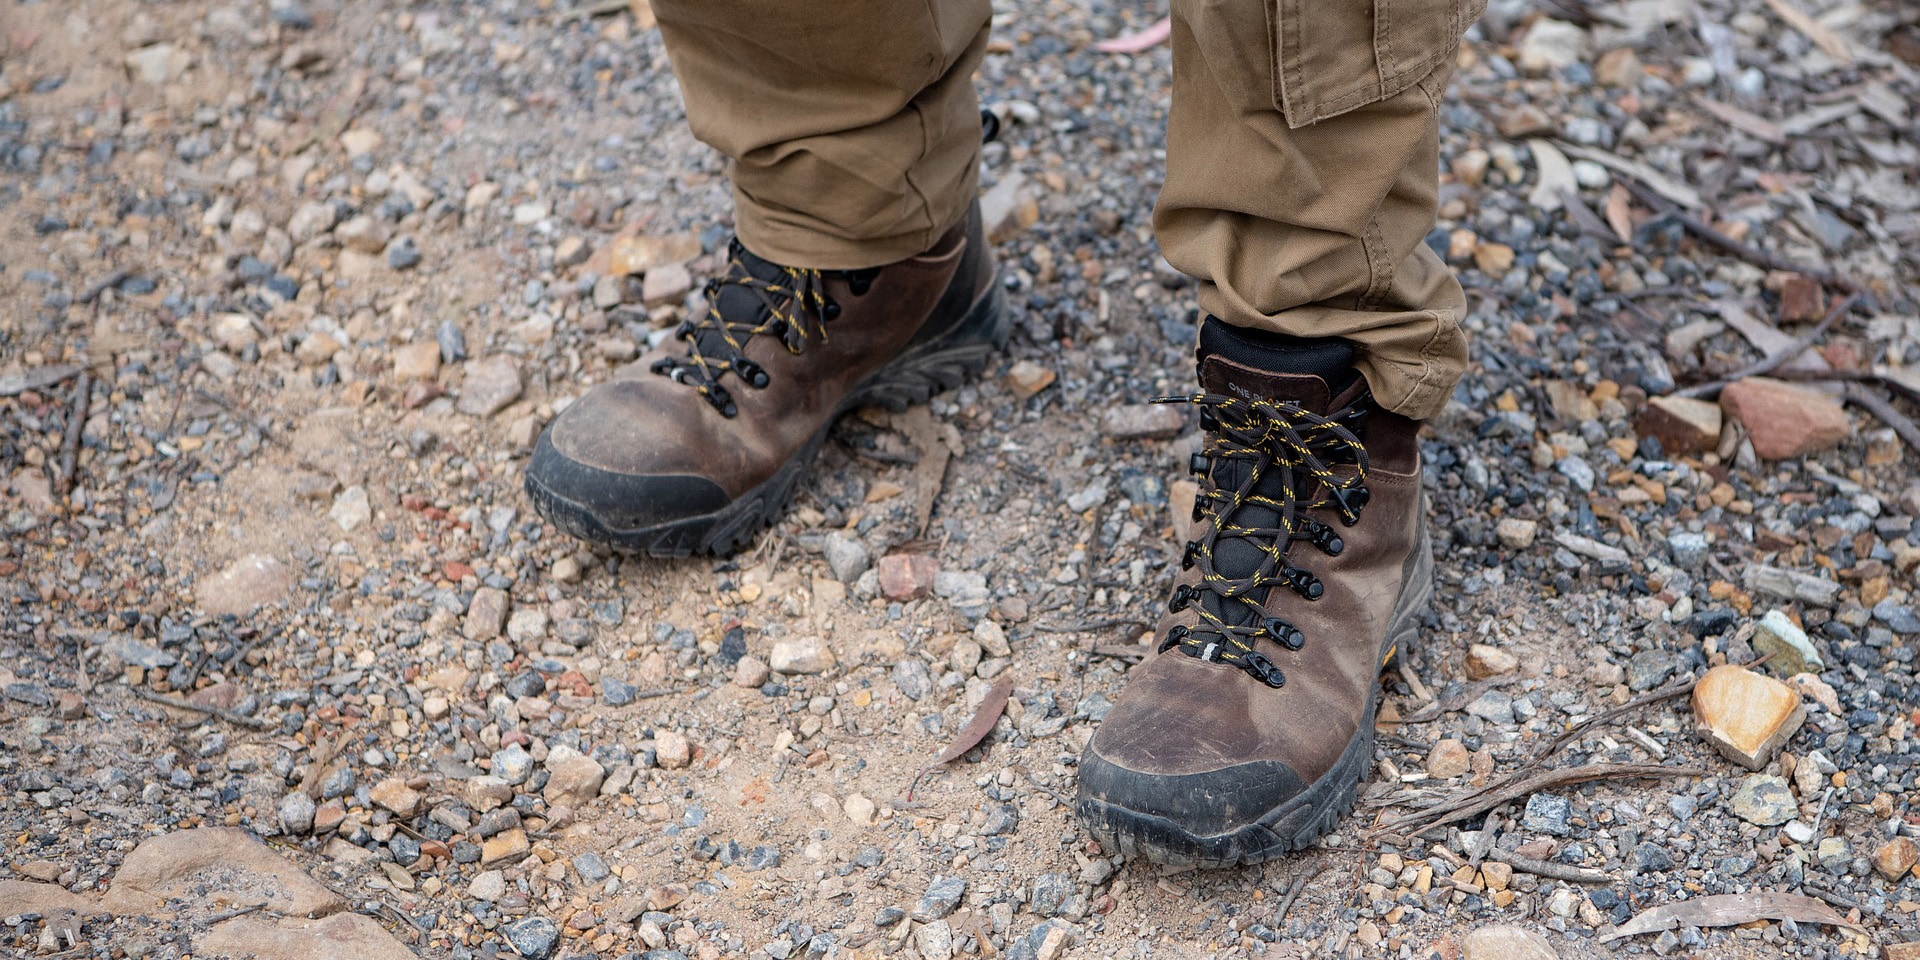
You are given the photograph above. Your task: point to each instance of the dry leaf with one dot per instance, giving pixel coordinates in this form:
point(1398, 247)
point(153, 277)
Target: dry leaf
point(1620, 212)
point(1739, 119)
point(1835, 46)
point(1731, 909)
point(1139, 42)
point(975, 731)
point(1656, 181)
point(1555, 175)
point(1767, 338)
point(642, 11)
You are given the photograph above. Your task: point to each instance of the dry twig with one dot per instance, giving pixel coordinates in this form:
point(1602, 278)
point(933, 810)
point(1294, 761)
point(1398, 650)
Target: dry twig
point(1544, 868)
point(1513, 788)
point(1775, 360)
point(1877, 405)
point(253, 723)
point(1747, 252)
point(76, 422)
point(1664, 693)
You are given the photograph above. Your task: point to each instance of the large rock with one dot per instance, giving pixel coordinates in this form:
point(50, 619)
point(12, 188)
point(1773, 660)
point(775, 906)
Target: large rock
point(1745, 715)
point(25, 896)
point(489, 386)
point(195, 864)
point(1501, 942)
point(343, 936)
point(1785, 420)
point(246, 583)
point(575, 781)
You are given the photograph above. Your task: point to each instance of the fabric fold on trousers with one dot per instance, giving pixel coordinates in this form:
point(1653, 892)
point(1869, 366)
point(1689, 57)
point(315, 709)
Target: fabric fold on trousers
point(853, 127)
point(1302, 179)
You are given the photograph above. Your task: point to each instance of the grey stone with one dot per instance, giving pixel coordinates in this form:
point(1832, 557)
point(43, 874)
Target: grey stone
point(1003, 819)
point(1651, 668)
point(911, 676)
point(847, 557)
point(1688, 550)
point(1764, 800)
point(296, 813)
point(134, 653)
point(1898, 618)
point(534, 937)
point(513, 764)
point(591, 867)
point(941, 899)
point(1051, 891)
point(1548, 814)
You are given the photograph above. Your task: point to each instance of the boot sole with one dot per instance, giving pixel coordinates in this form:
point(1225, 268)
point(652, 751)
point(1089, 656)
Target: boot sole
point(921, 371)
point(1300, 821)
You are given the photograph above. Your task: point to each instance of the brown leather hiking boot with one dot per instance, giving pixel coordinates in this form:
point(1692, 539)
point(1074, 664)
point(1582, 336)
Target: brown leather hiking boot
point(699, 446)
point(1245, 735)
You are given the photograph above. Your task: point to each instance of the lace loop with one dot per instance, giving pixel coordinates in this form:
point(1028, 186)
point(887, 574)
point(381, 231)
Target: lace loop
point(1268, 464)
point(791, 305)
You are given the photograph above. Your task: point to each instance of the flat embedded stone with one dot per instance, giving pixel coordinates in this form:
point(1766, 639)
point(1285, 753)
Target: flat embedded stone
point(190, 863)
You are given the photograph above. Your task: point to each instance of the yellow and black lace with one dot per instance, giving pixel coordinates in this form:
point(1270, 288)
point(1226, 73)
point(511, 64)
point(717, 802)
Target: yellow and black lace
point(791, 303)
point(1264, 458)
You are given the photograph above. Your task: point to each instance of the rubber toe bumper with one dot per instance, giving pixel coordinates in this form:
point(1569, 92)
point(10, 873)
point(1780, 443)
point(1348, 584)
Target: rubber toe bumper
point(609, 508)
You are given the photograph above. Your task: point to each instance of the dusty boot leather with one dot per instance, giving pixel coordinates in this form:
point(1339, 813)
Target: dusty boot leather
point(1245, 734)
point(698, 446)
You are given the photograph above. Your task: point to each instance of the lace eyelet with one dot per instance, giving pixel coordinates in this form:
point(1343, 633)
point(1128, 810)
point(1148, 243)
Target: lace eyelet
point(1263, 669)
point(1351, 501)
point(1182, 595)
point(751, 373)
point(1190, 555)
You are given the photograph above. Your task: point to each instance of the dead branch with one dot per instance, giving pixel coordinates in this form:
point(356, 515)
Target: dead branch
point(253, 723)
point(1775, 360)
point(1476, 802)
point(1877, 405)
point(1744, 251)
point(1552, 871)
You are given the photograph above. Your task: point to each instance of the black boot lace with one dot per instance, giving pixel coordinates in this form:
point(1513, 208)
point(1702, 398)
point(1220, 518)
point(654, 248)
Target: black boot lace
point(1266, 466)
point(754, 297)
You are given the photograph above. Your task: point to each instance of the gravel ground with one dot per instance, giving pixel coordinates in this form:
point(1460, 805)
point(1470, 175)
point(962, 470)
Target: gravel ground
point(328, 266)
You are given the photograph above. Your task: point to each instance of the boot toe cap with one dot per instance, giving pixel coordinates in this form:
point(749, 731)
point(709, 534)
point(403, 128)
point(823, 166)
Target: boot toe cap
point(597, 504)
point(1200, 809)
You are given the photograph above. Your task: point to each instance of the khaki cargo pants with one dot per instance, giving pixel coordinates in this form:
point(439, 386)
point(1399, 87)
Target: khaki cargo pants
point(1302, 153)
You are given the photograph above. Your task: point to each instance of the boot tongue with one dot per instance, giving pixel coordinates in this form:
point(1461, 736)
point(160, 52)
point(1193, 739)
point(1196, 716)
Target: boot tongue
point(1257, 365)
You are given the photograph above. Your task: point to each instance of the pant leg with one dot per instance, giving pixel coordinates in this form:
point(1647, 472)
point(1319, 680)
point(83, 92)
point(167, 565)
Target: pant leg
point(853, 127)
point(1303, 178)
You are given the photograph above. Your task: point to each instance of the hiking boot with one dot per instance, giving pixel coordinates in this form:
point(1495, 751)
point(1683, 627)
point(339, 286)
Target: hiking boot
point(699, 446)
point(1244, 735)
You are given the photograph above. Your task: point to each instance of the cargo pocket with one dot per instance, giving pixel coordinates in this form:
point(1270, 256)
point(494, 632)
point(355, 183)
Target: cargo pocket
point(1332, 56)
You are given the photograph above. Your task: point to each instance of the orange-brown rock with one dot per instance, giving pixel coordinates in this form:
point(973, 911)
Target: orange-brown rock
point(1681, 424)
point(1895, 859)
point(1785, 420)
point(1747, 716)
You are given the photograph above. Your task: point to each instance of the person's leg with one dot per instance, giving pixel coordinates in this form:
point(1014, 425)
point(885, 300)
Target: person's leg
point(853, 127)
point(1301, 199)
point(1302, 164)
point(861, 274)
